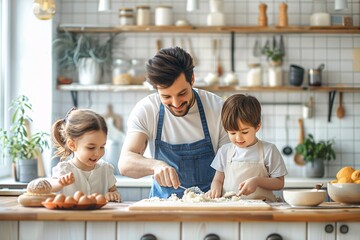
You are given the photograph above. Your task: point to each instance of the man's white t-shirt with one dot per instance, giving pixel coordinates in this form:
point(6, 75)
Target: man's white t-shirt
point(273, 160)
point(177, 130)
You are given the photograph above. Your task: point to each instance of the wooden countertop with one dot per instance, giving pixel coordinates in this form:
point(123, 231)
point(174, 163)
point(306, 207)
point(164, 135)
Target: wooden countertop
point(11, 210)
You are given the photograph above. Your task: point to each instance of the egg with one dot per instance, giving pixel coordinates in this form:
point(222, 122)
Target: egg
point(78, 195)
point(84, 200)
point(94, 194)
point(49, 200)
point(59, 198)
point(70, 200)
point(100, 199)
point(92, 199)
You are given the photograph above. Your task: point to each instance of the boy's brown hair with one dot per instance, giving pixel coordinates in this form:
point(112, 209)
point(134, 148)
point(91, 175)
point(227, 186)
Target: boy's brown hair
point(240, 107)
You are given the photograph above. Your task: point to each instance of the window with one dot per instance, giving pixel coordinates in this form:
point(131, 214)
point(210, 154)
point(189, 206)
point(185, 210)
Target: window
point(4, 79)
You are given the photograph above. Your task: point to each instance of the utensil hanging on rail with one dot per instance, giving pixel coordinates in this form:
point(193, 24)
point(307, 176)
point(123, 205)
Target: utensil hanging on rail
point(298, 158)
point(340, 112)
point(287, 150)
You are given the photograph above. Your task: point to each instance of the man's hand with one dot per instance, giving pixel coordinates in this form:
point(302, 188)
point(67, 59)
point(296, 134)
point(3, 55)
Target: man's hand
point(166, 176)
point(67, 179)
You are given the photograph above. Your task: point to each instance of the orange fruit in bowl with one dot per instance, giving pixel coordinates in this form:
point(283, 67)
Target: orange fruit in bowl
point(345, 172)
point(345, 180)
point(334, 181)
point(357, 181)
point(355, 175)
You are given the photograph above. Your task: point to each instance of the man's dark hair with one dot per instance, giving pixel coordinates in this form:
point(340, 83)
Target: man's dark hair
point(167, 65)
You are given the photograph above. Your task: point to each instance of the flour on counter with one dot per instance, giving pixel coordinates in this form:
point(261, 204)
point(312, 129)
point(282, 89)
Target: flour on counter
point(191, 197)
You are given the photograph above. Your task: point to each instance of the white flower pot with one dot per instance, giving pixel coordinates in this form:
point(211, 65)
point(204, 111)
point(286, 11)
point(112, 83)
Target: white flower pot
point(89, 71)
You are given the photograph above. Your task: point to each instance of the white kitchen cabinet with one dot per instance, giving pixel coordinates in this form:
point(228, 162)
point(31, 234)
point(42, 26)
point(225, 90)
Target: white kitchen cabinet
point(136, 230)
point(321, 231)
point(100, 230)
point(262, 230)
point(347, 230)
point(199, 230)
point(54, 230)
point(9, 230)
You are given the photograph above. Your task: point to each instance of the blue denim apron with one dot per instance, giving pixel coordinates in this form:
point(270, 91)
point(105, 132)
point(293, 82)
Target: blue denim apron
point(191, 161)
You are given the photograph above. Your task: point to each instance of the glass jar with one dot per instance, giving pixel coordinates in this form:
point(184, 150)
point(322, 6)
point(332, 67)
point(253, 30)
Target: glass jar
point(143, 15)
point(163, 16)
point(254, 75)
point(320, 15)
point(120, 72)
point(137, 71)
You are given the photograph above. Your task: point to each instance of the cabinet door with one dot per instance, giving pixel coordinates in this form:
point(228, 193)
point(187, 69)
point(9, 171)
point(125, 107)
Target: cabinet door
point(347, 230)
point(198, 230)
point(161, 230)
point(262, 230)
point(100, 230)
point(9, 230)
point(321, 231)
point(54, 230)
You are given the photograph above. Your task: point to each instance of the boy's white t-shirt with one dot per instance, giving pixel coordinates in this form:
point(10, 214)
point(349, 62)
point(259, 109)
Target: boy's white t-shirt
point(177, 130)
point(273, 160)
point(99, 180)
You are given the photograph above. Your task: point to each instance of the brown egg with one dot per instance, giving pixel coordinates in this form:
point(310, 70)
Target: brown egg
point(78, 195)
point(49, 200)
point(70, 200)
point(92, 199)
point(100, 199)
point(94, 194)
point(84, 200)
point(59, 198)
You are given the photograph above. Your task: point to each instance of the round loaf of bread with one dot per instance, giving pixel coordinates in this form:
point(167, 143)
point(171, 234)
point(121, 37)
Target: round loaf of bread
point(39, 186)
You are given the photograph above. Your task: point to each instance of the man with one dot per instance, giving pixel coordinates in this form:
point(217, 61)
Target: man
point(181, 125)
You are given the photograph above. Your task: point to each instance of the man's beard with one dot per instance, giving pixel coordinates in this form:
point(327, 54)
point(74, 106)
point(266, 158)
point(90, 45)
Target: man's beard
point(188, 106)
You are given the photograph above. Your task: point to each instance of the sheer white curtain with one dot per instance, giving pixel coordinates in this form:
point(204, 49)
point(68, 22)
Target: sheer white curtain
point(4, 77)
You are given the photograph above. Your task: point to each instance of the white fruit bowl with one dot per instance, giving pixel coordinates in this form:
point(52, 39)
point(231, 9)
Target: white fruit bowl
point(348, 193)
point(304, 197)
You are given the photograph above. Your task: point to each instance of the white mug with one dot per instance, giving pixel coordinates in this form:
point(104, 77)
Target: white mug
point(104, 5)
point(192, 5)
point(341, 4)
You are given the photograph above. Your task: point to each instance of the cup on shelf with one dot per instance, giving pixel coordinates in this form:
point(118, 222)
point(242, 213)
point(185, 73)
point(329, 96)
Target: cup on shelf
point(296, 75)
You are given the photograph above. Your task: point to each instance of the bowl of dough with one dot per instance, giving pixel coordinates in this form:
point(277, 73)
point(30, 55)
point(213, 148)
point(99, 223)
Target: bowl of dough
point(304, 197)
point(346, 187)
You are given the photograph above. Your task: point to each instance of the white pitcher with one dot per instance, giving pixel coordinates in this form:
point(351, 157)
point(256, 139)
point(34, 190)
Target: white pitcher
point(89, 71)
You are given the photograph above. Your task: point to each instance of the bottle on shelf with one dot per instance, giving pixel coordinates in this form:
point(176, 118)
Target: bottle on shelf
point(283, 15)
point(262, 19)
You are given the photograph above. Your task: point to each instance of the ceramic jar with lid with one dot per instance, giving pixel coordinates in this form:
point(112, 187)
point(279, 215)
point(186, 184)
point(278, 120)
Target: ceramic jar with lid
point(120, 72)
point(143, 15)
point(216, 16)
point(126, 16)
point(254, 75)
point(163, 16)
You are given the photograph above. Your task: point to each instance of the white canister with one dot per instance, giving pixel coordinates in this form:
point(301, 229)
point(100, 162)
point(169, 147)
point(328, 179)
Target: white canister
point(163, 16)
point(126, 19)
point(275, 76)
point(143, 15)
point(253, 77)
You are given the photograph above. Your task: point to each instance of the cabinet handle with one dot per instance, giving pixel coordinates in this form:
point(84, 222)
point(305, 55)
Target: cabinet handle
point(274, 236)
point(148, 236)
point(329, 228)
point(344, 229)
point(212, 236)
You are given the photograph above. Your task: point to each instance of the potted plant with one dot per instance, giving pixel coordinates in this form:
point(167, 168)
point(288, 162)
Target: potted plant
point(314, 154)
point(83, 53)
point(275, 59)
point(18, 145)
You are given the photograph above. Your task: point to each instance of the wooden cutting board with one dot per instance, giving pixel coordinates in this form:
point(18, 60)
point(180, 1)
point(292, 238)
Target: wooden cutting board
point(145, 204)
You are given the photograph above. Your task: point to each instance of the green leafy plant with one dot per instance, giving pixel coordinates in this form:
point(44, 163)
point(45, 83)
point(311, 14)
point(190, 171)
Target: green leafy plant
point(275, 55)
point(16, 143)
point(70, 48)
point(311, 150)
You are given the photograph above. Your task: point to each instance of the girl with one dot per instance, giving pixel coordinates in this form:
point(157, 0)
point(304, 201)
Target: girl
point(83, 133)
point(247, 165)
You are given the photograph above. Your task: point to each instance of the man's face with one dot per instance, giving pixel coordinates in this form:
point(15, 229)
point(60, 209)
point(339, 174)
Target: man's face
point(179, 97)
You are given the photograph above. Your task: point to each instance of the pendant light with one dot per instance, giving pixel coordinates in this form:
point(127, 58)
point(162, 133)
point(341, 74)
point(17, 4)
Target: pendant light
point(192, 5)
point(341, 5)
point(44, 9)
point(104, 6)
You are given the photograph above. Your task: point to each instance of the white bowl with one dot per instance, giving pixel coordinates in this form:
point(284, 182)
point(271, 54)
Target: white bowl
point(304, 197)
point(348, 193)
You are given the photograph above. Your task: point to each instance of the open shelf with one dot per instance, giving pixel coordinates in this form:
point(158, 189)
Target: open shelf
point(207, 29)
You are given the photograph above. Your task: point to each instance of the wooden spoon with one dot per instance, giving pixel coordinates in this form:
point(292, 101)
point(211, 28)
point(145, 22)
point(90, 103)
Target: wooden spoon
point(340, 112)
point(298, 158)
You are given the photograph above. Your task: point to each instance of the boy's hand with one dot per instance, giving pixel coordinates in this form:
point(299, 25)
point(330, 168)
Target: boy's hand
point(67, 179)
point(113, 196)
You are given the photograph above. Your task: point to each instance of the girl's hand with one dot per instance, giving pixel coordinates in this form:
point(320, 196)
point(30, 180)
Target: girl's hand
point(113, 196)
point(67, 179)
